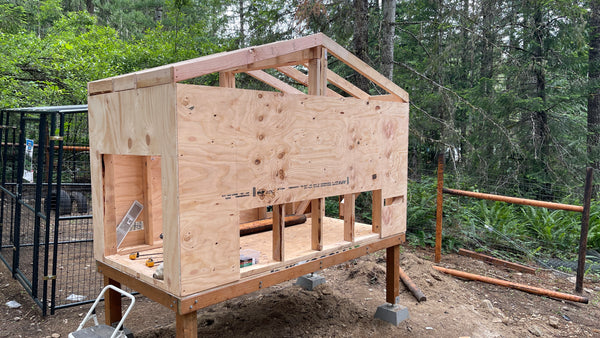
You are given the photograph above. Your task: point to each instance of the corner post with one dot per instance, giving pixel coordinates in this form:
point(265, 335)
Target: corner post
point(186, 325)
point(112, 303)
point(392, 274)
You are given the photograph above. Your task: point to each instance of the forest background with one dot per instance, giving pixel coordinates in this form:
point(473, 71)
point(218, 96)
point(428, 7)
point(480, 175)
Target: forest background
point(509, 91)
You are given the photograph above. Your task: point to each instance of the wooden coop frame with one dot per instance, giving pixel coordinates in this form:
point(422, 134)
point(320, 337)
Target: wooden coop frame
point(203, 159)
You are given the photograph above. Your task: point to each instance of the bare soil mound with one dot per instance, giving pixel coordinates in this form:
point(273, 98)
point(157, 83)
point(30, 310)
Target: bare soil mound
point(344, 306)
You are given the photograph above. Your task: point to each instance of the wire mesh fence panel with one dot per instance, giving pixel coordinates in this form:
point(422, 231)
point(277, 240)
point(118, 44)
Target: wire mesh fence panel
point(46, 204)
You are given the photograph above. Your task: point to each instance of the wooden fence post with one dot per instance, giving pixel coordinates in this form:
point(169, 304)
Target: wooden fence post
point(585, 222)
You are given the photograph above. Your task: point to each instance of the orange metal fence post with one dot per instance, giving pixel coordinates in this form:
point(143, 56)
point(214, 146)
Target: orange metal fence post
point(438, 215)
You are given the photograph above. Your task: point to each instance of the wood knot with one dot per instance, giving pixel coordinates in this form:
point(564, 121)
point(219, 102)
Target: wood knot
point(129, 143)
point(281, 155)
point(281, 174)
point(147, 139)
point(261, 137)
point(260, 96)
point(260, 117)
point(257, 161)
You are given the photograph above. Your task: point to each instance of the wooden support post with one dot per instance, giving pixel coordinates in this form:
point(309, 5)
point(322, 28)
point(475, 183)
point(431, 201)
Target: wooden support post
point(317, 73)
point(439, 214)
point(147, 189)
point(318, 214)
point(376, 211)
point(585, 222)
point(262, 213)
point(227, 79)
point(112, 303)
point(349, 217)
point(289, 208)
point(392, 274)
point(186, 325)
point(278, 228)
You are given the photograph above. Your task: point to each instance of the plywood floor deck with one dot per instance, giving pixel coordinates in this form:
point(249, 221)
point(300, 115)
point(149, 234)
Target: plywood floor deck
point(297, 248)
point(298, 243)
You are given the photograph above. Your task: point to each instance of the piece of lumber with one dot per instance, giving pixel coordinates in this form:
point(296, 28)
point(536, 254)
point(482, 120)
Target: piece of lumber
point(419, 295)
point(349, 217)
point(290, 59)
point(317, 72)
point(100, 86)
point(346, 85)
point(496, 261)
point(302, 78)
point(186, 325)
point(361, 67)
point(151, 78)
point(278, 232)
point(131, 281)
point(526, 288)
point(301, 207)
point(377, 211)
point(273, 82)
point(318, 215)
point(385, 97)
point(294, 74)
point(227, 79)
point(124, 82)
point(193, 68)
point(112, 303)
point(108, 235)
point(392, 274)
point(267, 224)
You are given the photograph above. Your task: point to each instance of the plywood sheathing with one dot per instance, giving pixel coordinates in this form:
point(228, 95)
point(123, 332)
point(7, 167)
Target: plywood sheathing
point(138, 122)
point(266, 155)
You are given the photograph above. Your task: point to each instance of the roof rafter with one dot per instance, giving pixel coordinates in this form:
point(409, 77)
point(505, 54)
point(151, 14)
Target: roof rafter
point(279, 55)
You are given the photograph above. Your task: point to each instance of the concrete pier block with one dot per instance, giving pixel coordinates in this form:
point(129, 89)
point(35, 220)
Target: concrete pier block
point(392, 313)
point(309, 282)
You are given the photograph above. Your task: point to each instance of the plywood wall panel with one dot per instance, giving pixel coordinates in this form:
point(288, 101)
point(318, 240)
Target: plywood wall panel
point(209, 248)
point(138, 122)
point(242, 149)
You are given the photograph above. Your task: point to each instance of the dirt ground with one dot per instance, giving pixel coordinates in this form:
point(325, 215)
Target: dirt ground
point(344, 306)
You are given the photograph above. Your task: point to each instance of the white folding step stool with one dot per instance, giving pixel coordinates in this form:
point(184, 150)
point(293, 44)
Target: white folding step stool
point(101, 330)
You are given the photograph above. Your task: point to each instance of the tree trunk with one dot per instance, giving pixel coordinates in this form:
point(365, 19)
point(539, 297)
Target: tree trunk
point(540, 117)
point(90, 6)
point(361, 35)
point(593, 114)
point(487, 44)
point(242, 33)
point(387, 41)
